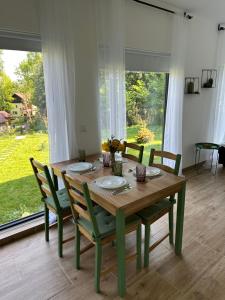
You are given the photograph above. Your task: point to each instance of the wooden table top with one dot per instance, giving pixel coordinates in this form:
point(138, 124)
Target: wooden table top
point(138, 197)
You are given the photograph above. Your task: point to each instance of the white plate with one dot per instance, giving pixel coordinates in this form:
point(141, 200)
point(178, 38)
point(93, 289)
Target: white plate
point(80, 167)
point(151, 171)
point(110, 182)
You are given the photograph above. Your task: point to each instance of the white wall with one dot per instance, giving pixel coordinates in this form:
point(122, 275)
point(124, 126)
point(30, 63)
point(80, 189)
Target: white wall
point(201, 54)
point(86, 83)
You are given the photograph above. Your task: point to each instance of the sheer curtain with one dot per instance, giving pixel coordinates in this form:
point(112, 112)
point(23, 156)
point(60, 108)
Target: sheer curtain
point(111, 68)
point(217, 123)
point(174, 111)
point(58, 43)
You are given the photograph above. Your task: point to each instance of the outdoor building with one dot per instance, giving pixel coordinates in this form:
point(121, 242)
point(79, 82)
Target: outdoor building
point(21, 107)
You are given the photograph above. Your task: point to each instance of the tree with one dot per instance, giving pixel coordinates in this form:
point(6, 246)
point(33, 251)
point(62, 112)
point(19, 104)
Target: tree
point(31, 80)
point(6, 87)
point(135, 99)
point(145, 97)
point(39, 98)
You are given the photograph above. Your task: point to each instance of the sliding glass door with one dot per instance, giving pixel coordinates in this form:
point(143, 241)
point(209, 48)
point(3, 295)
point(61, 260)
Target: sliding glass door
point(23, 133)
point(146, 94)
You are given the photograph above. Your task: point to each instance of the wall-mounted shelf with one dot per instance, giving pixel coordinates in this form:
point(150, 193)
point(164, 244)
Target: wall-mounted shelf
point(209, 77)
point(191, 86)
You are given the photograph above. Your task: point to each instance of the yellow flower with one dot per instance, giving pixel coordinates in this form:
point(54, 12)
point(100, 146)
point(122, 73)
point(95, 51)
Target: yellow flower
point(115, 143)
point(105, 147)
point(121, 147)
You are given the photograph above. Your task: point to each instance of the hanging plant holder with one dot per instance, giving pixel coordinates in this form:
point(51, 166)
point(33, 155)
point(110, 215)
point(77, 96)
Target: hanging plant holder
point(191, 85)
point(209, 77)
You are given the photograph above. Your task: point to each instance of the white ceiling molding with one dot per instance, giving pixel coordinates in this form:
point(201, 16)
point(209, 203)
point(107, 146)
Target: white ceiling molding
point(19, 35)
point(15, 40)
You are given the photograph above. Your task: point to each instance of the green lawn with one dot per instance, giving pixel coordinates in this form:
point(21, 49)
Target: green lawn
point(19, 194)
point(156, 143)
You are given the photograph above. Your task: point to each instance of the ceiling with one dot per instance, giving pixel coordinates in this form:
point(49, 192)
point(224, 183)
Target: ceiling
point(212, 9)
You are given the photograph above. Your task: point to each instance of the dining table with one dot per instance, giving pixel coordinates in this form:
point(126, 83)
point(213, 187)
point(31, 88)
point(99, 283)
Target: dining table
point(121, 205)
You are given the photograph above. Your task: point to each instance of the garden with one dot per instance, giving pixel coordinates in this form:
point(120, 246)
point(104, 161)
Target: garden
point(19, 194)
point(27, 137)
point(145, 105)
point(23, 134)
point(156, 143)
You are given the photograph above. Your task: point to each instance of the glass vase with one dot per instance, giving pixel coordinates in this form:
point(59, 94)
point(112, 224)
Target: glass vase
point(113, 160)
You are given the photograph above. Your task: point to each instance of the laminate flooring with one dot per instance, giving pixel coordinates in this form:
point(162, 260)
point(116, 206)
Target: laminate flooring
point(31, 269)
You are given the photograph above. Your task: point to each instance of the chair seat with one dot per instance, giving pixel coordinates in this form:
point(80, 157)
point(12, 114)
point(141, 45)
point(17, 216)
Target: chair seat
point(63, 200)
point(106, 222)
point(151, 213)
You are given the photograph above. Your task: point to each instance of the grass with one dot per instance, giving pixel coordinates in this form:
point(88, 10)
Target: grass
point(19, 194)
point(156, 143)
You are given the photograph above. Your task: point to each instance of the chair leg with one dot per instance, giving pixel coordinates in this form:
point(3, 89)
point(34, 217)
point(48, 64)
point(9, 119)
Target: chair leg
point(171, 226)
point(98, 261)
point(138, 247)
point(46, 223)
point(77, 247)
point(146, 245)
point(60, 235)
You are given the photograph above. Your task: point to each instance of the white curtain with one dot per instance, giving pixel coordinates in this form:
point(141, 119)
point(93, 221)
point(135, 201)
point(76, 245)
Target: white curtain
point(111, 68)
point(58, 45)
point(174, 112)
point(217, 120)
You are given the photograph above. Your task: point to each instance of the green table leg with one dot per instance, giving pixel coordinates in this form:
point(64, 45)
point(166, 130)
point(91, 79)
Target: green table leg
point(120, 247)
point(180, 220)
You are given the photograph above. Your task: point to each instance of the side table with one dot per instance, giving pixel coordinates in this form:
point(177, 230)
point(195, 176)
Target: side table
point(205, 146)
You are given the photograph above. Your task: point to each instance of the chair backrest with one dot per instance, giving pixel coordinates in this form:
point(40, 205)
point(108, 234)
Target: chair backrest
point(139, 149)
point(44, 181)
point(80, 200)
point(168, 155)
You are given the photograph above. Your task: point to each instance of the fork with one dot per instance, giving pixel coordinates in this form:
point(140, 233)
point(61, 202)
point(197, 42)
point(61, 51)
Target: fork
point(89, 171)
point(122, 189)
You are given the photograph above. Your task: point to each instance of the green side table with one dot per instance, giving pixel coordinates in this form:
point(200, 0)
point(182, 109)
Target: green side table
point(205, 146)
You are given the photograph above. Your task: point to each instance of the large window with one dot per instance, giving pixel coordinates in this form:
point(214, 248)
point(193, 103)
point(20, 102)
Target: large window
point(23, 132)
point(146, 103)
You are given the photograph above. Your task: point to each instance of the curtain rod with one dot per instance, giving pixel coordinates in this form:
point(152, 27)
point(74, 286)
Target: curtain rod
point(155, 6)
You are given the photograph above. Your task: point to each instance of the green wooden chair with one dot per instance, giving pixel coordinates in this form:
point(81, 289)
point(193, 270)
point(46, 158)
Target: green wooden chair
point(54, 200)
point(154, 212)
point(138, 149)
point(98, 226)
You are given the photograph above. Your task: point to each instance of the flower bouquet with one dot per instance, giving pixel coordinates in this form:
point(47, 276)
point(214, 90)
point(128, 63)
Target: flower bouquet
point(113, 145)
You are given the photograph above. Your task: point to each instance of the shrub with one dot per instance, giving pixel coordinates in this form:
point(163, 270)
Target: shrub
point(144, 136)
point(38, 123)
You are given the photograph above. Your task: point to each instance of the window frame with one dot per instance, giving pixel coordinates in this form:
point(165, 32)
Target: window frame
point(20, 41)
point(165, 96)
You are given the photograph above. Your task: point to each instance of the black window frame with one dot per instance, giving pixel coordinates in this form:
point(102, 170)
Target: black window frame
point(20, 41)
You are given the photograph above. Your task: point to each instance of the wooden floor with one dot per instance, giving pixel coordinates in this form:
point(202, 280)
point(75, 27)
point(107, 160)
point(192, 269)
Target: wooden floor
point(30, 268)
